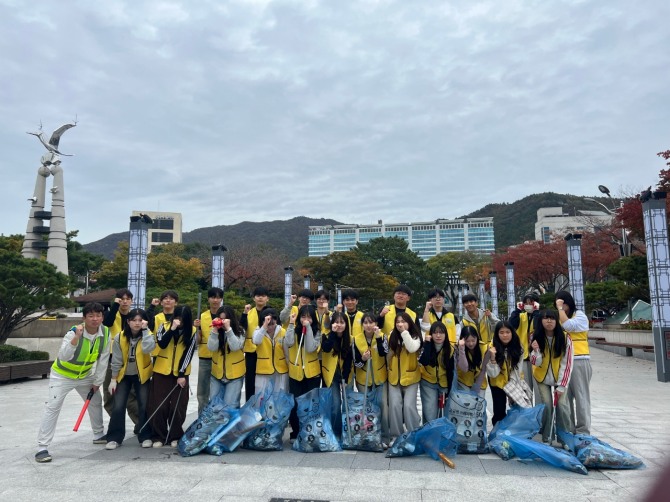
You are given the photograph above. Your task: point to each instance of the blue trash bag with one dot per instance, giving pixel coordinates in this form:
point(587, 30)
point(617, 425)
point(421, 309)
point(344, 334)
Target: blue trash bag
point(528, 449)
point(520, 422)
point(596, 454)
point(226, 440)
point(437, 436)
point(467, 411)
point(275, 409)
point(361, 429)
point(214, 416)
point(502, 447)
point(316, 432)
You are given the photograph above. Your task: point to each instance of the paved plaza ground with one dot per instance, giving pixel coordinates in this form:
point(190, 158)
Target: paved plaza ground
point(631, 410)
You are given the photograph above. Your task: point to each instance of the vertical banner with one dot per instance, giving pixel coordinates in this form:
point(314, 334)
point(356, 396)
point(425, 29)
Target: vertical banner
point(138, 245)
point(493, 279)
point(460, 302)
point(509, 278)
point(307, 282)
point(654, 216)
point(288, 285)
point(218, 266)
point(575, 274)
point(481, 292)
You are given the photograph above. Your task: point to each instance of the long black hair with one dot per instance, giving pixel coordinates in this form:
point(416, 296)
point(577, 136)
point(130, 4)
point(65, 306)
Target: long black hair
point(234, 325)
point(474, 357)
point(314, 323)
point(514, 349)
point(540, 335)
point(447, 353)
point(184, 313)
point(128, 333)
point(567, 300)
point(344, 346)
point(395, 340)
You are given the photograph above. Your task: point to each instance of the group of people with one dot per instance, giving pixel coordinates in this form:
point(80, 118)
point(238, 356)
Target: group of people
point(143, 359)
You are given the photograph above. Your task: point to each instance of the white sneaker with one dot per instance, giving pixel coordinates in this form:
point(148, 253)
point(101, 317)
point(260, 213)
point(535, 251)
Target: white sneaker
point(147, 443)
point(157, 444)
point(111, 445)
point(174, 443)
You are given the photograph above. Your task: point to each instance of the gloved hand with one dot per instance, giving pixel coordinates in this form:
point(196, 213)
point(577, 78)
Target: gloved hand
point(112, 387)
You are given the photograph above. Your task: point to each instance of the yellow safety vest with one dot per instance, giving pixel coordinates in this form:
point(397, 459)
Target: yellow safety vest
point(271, 356)
point(252, 324)
point(355, 327)
point(389, 319)
point(540, 372)
point(145, 368)
point(329, 363)
point(230, 361)
point(524, 333)
point(468, 378)
point(449, 321)
point(580, 342)
point(484, 330)
point(431, 373)
point(205, 328)
point(378, 364)
point(85, 356)
point(166, 361)
point(297, 369)
point(404, 368)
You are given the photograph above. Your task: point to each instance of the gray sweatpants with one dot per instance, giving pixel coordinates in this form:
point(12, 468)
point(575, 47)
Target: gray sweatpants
point(579, 395)
point(403, 409)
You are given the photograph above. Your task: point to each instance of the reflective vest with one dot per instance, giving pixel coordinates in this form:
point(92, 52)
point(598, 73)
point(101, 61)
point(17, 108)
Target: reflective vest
point(524, 333)
point(431, 373)
point(540, 372)
point(303, 364)
point(449, 321)
point(252, 324)
point(205, 328)
point(404, 368)
point(389, 319)
point(144, 366)
point(167, 360)
point(355, 327)
point(482, 326)
point(229, 363)
point(294, 311)
point(117, 327)
point(580, 342)
point(271, 356)
point(468, 378)
point(85, 356)
point(378, 363)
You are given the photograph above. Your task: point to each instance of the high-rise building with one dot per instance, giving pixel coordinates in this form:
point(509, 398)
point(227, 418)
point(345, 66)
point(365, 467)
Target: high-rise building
point(553, 219)
point(166, 227)
point(427, 239)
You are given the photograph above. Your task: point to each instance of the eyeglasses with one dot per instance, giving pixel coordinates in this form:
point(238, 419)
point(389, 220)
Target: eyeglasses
point(549, 318)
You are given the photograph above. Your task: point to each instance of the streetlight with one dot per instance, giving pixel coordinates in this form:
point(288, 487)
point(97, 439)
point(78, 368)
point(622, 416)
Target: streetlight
point(624, 247)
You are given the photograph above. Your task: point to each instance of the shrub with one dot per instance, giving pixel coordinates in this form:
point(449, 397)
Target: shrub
point(11, 353)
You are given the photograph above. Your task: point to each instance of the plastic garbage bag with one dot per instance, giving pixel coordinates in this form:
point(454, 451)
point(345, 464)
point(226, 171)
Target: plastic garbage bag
point(226, 440)
point(596, 454)
point(529, 449)
point(361, 429)
point(274, 409)
point(467, 411)
point(502, 447)
point(214, 416)
point(435, 437)
point(520, 422)
point(316, 432)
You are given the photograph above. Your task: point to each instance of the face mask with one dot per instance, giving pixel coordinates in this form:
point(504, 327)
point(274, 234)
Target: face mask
point(528, 308)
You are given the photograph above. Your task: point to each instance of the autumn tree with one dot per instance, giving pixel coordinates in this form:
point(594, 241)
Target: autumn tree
point(449, 269)
point(248, 266)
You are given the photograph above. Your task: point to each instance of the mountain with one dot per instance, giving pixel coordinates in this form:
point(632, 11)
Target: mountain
point(515, 223)
point(286, 236)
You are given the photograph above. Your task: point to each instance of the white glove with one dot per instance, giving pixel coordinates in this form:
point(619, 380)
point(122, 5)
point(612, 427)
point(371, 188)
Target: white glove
point(112, 387)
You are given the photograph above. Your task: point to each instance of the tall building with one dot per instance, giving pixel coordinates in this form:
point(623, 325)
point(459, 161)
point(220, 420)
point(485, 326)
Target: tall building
point(553, 219)
point(425, 238)
point(166, 227)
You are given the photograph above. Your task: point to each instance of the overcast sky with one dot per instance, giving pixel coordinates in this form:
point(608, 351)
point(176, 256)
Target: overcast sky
point(257, 110)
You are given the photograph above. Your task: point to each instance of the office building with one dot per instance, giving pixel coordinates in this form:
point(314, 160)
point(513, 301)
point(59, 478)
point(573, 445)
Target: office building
point(554, 220)
point(166, 227)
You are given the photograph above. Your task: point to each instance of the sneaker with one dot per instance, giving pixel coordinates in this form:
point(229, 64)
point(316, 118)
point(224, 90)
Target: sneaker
point(112, 445)
point(385, 446)
point(42, 456)
point(157, 444)
point(101, 440)
point(136, 429)
point(174, 443)
point(147, 443)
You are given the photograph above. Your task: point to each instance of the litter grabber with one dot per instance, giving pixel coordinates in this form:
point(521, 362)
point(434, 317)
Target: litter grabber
point(173, 415)
point(556, 396)
point(159, 407)
point(89, 396)
point(346, 409)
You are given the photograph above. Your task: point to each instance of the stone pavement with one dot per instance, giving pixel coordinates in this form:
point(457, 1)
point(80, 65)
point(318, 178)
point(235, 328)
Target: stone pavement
point(630, 411)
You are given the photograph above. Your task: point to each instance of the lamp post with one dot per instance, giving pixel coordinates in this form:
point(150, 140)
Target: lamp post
point(288, 285)
point(307, 281)
point(509, 277)
point(218, 265)
point(575, 274)
point(624, 245)
point(460, 301)
point(493, 279)
point(138, 245)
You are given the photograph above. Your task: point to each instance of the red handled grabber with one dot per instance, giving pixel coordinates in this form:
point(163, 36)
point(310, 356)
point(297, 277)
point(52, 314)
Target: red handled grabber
point(89, 396)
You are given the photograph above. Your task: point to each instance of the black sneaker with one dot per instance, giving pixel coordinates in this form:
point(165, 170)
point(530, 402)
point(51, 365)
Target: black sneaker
point(101, 440)
point(42, 456)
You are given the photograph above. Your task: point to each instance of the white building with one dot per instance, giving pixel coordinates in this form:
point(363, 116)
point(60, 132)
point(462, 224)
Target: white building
point(166, 227)
point(553, 219)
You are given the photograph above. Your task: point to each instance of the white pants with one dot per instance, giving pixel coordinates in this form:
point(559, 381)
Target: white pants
point(403, 409)
point(59, 387)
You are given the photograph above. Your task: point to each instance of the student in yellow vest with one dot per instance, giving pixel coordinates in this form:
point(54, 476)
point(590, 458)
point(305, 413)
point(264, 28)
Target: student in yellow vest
point(435, 311)
point(131, 369)
point(336, 364)
point(471, 357)
point(506, 358)
point(225, 342)
point(370, 350)
point(81, 365)
point(551, 357)
point(437, 371)
point(525, 319)
point(387, 316)
point(203, 327)
point(404, 374)
point(271, 366)
point(250, 320)
point(354, 316)
point(304, 297)
point(302, 345)
point(576, 324)
point(160, 323)
point(482, 320)
point(115, 319)
point(322, 312)
point(172, 367)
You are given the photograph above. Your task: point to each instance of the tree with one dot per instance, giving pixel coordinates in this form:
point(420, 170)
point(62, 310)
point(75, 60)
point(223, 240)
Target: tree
point(398, 261)
point(248, 266)
point(27, 286)
point(450, 269)
point(537, 265)
point(81, 263)
point(634, 276)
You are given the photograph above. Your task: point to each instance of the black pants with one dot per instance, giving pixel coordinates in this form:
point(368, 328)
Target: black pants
point(298, 388)
point(172, 413)
point(117, 424)
point(250, 359)
point(499, 404)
